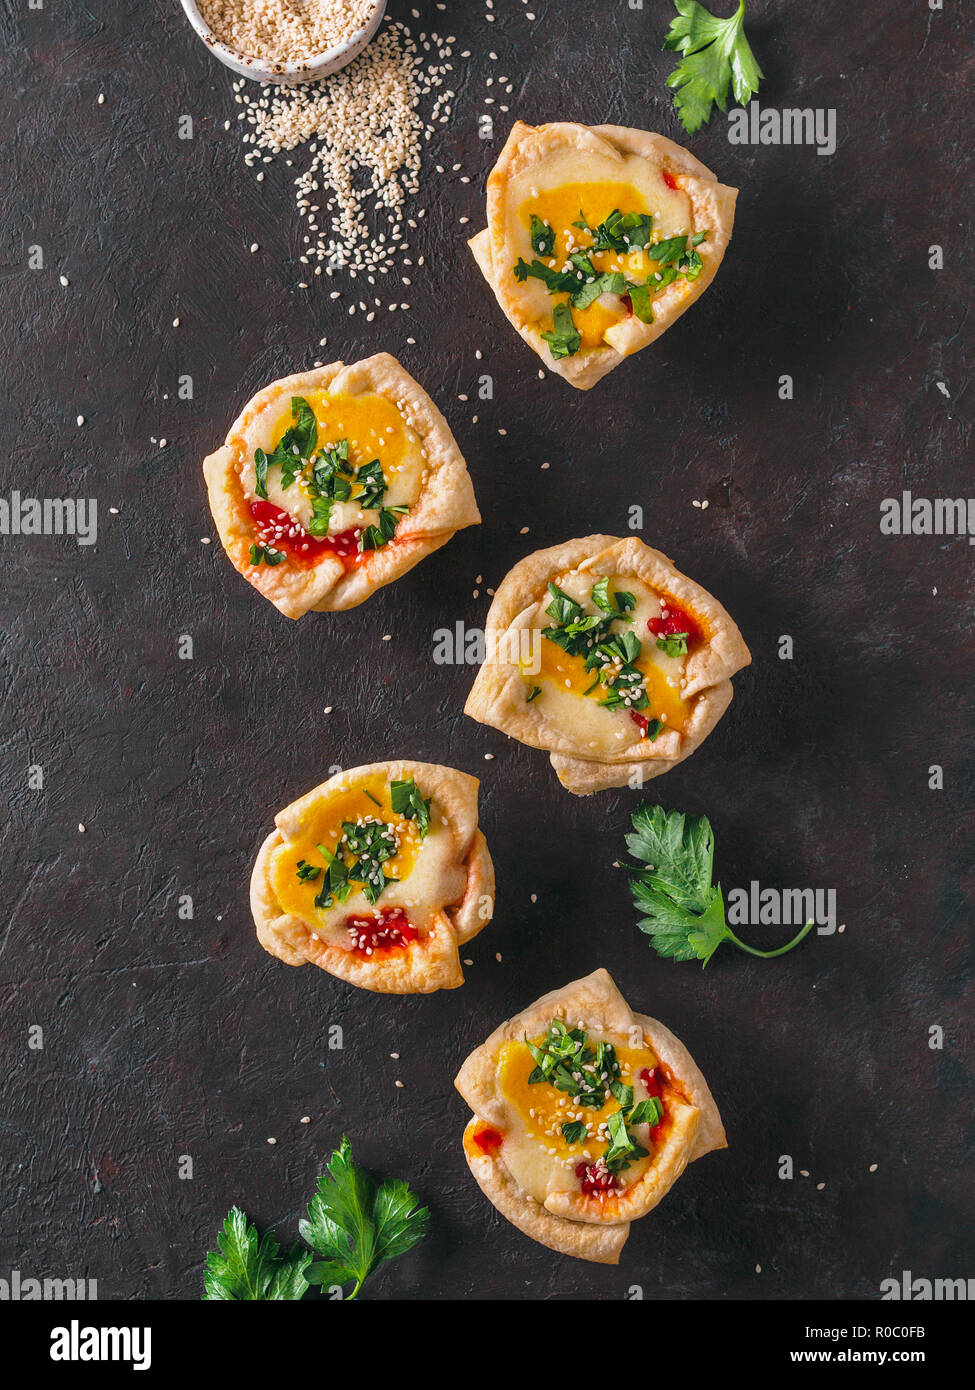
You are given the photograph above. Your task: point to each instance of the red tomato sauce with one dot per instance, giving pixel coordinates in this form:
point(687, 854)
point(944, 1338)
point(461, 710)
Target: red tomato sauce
point(281, 531)
point(595, 1178)
point(389, 930)
point(674, 619)
point(654, 1082)
point(488, 1139)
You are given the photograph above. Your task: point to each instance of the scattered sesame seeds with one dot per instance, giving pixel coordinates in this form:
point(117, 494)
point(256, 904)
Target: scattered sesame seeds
point(398, 1085)
point(364, 129)
point(64, 280)
point(305, 1120)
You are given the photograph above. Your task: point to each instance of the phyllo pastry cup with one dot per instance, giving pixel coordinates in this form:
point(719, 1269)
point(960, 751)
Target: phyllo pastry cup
point(377, 876)
point(335, 482)
point(585, 1115)
point(605, 655)
point(598, 239)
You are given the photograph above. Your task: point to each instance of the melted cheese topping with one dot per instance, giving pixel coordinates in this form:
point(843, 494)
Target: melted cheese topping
point(535, 1150)
point(374, 428)
point(428, 880)
point(566, 697)
point(576, 187)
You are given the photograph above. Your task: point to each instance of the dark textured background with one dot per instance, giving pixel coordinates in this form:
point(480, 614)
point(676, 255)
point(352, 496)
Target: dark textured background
point(165, 1037)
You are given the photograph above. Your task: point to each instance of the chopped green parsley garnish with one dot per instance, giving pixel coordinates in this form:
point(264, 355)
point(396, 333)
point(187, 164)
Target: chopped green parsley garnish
point(407, 802)
point(329, 478)
point(267, 554)
point(610, 656)
point(364, 848)
point(542, 237)
point(564, 339)
point(590, 1074)
point(674, 644)
point(579, 279)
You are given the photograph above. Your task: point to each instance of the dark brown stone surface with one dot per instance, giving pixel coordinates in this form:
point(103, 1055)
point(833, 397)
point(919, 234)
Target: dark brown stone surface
point(165, 1037)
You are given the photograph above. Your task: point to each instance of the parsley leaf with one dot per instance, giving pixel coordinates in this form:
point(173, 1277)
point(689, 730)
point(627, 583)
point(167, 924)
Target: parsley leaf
point(373, 482)
point(336, 885)
point(260, 468)
point(563, 338)
point(674, 644)
point(621, 231)
point(574, 1131)
point(247, 1266)
point(647, 1112)
point(562, 609)
point(618, 604)
point(406, 801)
point(265, 553)
point(357, 1227)
point(683, 910)
point(373, 842)
point(542, 237)
point(377, 536)
point(304, 432)
point(716, 53)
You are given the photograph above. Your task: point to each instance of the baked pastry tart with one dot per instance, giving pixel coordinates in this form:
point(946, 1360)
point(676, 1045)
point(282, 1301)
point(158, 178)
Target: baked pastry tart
point(598, 239)
point(377, 876)
point(585, 1115)
point(605, 655)
point(335, 482)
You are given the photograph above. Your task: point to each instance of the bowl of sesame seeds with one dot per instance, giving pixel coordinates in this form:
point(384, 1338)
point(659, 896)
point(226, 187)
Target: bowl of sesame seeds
point(285, 41)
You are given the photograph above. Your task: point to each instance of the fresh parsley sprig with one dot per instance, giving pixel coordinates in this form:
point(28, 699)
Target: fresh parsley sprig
point(356, 1226)
point(352, 1223)
point(683, 910)
point(247, 1266)
point(716, 54)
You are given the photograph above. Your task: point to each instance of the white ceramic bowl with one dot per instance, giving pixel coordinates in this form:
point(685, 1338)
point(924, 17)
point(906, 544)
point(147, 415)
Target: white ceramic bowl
point(311, 69)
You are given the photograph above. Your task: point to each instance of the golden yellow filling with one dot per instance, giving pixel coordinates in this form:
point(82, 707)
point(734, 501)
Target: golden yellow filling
point(542, 1109)
point(593, 203)
point(569, 673)
point(371, 423)
point(324, 826)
